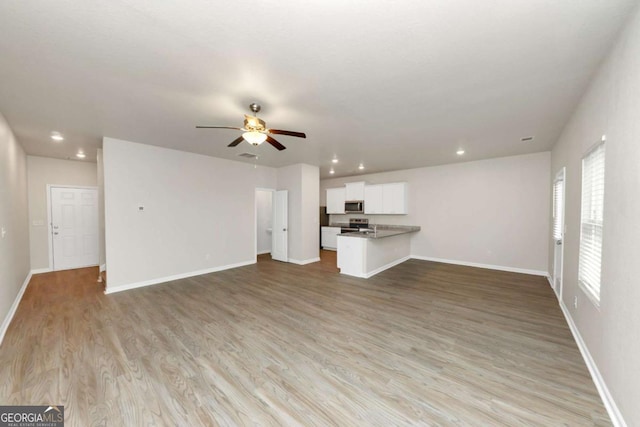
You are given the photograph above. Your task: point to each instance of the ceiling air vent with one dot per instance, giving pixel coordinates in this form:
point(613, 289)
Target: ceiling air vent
point(526, 139)
point(248, 155)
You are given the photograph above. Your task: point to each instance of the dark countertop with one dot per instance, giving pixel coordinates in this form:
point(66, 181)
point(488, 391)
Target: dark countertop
point(383, 231)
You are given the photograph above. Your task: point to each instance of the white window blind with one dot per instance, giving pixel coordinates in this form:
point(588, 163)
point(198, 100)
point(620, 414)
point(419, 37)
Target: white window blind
point(558, 190)
point(591, 222)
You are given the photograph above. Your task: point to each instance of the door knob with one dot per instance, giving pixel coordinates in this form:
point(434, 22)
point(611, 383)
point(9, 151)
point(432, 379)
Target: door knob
point(284, 229)
point(558, 242)
point(55, 232)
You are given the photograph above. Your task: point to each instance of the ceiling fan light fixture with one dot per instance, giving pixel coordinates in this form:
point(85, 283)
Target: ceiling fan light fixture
point(255, 131)
point(255, 137)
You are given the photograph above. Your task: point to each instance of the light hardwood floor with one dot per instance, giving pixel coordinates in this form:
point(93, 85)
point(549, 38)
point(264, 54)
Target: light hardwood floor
point(280, 344)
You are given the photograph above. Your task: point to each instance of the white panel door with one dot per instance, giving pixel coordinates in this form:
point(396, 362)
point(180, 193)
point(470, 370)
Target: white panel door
point(74, 227)
point(558, 231)
point(280, 236)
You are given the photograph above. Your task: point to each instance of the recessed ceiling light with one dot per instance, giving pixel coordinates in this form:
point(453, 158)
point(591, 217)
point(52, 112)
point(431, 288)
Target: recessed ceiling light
point(460, 152)
point(56, 136)
point(361, 166)
point(81, 155)
point(334, 160)
point(332, 171)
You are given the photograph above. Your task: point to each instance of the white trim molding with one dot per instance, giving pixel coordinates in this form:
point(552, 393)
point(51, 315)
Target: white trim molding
point(41, 270)
point(157, 281)
point(304, 261)
point(386, 266)
point(14, 307)
point(603, 390)
point(479, 265)
point(103, 267)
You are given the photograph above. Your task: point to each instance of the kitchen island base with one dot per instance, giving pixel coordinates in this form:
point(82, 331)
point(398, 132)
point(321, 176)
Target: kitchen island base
point(364, 257)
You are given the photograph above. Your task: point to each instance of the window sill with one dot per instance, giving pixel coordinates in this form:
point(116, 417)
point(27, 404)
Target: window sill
point(590, 295)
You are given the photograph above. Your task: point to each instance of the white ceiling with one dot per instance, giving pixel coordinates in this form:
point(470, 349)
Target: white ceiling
point(391, 84)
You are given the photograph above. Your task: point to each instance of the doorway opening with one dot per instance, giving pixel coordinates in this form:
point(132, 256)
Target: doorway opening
point(272, 233)
point(264, 222)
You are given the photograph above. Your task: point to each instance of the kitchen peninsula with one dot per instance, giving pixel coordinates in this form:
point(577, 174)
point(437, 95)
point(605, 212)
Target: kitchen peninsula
point(367, 253)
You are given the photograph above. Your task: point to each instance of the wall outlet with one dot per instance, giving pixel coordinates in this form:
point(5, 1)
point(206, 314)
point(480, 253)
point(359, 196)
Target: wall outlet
point(3, 232)
point(575, 301)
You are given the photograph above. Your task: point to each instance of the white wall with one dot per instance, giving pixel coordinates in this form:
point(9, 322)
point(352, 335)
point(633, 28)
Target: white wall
point(43, 171)
point(491, 212)
point(100, 179)
point(264, 220)
point(14, 247)
point(199, 212)
point(310, 176)
point(303, 182)
point(611, 106)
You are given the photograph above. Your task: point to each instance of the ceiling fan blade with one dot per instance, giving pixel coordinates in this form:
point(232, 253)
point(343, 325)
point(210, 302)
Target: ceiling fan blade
point(275, 143)
point(236, 141)
point(287, 132)
point(218, 127)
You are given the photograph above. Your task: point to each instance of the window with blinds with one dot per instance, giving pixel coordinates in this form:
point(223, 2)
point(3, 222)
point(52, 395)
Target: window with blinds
point(591, 222)
point(558, 195)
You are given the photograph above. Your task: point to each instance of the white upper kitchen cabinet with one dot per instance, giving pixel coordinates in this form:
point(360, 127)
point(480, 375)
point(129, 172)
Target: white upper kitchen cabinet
point(389, 199)
point(335, 200)
point(373, 199)
point(394, 198)
point(354, 191)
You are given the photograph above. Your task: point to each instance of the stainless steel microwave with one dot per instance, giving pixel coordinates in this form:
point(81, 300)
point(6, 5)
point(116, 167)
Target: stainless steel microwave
point(354, 206)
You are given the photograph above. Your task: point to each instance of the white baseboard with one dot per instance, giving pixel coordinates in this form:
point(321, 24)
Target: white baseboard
point(41, 270)
point(607, 399)
point(12, 311)
point(550, 280)
point(114, 289)
point(304, 261)
point(103, 267)
point(479, 265)
point(386, 267)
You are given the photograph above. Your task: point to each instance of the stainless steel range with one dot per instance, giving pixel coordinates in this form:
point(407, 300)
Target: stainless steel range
point(355, 224)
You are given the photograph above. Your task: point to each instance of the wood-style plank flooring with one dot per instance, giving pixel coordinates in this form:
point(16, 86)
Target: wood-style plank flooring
point(281, 344)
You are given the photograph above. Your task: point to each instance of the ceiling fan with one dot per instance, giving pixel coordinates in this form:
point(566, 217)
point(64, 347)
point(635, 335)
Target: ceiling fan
point(255, 131)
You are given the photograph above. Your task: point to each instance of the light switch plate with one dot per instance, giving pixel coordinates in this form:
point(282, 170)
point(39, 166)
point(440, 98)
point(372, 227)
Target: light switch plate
point(3, 232)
